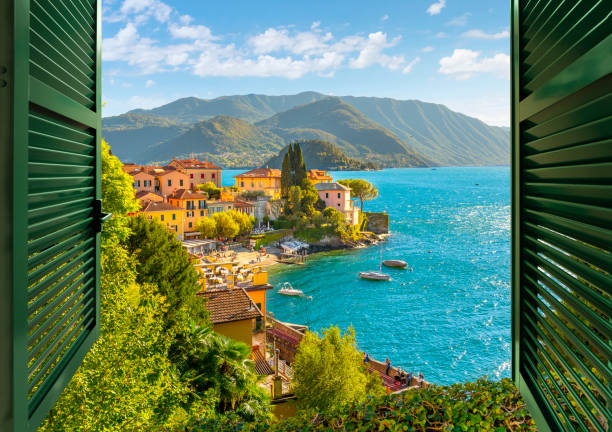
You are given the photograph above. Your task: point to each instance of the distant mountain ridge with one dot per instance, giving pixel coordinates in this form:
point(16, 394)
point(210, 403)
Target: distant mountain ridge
point(397, 133)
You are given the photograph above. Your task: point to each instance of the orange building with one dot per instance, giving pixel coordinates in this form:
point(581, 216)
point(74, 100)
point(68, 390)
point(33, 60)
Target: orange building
point(199, 171)
point(319, 176)
point(169, 179)
point(145, 196)
point(143, 179)
point(194, 204)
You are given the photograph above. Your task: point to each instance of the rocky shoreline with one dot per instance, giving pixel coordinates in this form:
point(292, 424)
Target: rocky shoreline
point(328, 244)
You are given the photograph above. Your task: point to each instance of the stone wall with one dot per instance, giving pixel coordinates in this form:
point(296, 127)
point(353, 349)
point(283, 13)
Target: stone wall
point(378, 223)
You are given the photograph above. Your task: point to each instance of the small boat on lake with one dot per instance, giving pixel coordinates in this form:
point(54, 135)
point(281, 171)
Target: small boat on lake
point(374, 275)
point(395, 263)
point(288, 290)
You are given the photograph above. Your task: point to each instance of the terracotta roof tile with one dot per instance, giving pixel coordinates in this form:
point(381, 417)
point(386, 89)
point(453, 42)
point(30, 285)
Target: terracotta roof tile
point(318, 174)
point(196, 164)
point(186, 194)
point(153, 206)
point(229, 305)
point(261, 172)
point(142, 193)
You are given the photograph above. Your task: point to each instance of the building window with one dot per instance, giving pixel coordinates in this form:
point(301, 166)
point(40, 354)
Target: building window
point(180, 182)
point(173, 216)
point(212, 175)
point(138, 182)
point(338, 195)
point(191, 185)
point(202, 175)
point(326, 194)
point(201, 212)
point(252, 184)
point(191, 176)
point(241, 184)
point(338, 204)
point(169, 182)
point(162, 217)
point(190, 224)
point(200, 204)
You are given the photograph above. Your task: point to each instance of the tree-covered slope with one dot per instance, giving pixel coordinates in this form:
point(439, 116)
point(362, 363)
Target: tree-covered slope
point(132, 134)
point(345, 126)
point(224, 140)
point(249, 107)
point(320, 154)
point(446, 136)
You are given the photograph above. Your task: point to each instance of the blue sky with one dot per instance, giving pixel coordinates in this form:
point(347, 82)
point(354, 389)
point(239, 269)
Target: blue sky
point(454, 52)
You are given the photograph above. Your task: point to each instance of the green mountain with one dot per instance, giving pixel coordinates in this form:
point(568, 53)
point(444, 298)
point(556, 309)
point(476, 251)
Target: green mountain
point(322, 155)
point(249, 107)
point(333, 120)
point(131, 134)
point(227, 141)
point(445, 136)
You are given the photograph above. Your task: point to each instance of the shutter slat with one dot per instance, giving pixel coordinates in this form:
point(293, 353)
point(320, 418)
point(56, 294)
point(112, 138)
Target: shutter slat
point(597, 215)
point(40, 124)
point(37, 259)
point(44, 199)
point(49, 282)
point(58, 184)
point(41, 243)
point(47, 268)
point(39, 169)
point(579, 193)
point(587, 153)
point(584, 172)
point(553, 29)
point(41, 229)
point(42, 140)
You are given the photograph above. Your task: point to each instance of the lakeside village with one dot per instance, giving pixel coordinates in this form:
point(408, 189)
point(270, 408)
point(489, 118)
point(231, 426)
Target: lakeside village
point(277, 216)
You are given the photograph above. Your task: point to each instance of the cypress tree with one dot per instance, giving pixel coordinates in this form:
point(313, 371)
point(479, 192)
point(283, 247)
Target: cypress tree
point(291, 154)
point(285, 176)
point(300, 166)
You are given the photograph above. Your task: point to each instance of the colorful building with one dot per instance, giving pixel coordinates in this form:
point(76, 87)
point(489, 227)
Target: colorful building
point(143, 180)
point(145, 196)
point(244, 207)
point(338, 196)
point(169, 179)
point(194, 205)
point(168, 215)
point(268, 180)
point(199, 171)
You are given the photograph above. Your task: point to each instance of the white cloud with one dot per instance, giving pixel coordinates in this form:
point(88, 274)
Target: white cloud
point(272, 40)
point(371, 53)
point(441, 35)
point(149, 83)
point(315, 25)
point(479, 34)
point(385, 17)
point(428, 48)
point(464, 63)
point(460, 20)
point(436, 8)
point(143, 9)
point(196, 32)
point(410, 65)
point(493, 109)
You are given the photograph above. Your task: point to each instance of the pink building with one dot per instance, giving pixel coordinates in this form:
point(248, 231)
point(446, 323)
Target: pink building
point(338, 196)
point(168, 179)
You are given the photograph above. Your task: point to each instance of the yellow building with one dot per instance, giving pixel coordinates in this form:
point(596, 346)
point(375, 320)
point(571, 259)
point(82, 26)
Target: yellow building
point(267, 180)
point(232, 313)
point(194, 204)
point(168, 215)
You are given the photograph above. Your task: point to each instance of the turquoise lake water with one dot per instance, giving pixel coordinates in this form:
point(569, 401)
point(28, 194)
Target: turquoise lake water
point(450, 317)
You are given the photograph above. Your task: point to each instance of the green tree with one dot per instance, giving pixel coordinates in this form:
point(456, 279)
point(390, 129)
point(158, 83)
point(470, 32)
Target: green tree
point(210, 189)
point(226, 225)
point(286, 175)
point(244, 221)
point(117, 194)
point(308, 197)
point(335, 218)
point(362, 189)
point(299, 166)
point(207, 227)
point(329, 373)
point(162, 261)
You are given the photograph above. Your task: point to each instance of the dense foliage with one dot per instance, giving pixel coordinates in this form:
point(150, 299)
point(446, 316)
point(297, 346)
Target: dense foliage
point(157, 365)
point(329, 373)
point(479, 406)
point(228, 224)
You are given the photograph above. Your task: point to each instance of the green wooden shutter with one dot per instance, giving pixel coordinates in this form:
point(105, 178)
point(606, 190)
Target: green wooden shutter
point(56, 192)
point(562, 211)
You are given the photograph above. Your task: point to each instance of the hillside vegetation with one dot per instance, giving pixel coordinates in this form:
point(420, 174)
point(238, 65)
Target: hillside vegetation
point(387, 131)
point(323, 155)
point(355, 134)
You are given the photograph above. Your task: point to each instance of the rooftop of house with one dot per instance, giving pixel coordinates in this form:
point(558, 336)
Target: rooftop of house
point(228, 305)
point(153, 206)
point(260, 172)
point(195, 164)
point(183, 194)
point(144, 193)
point(330, 186)
point(241, 203)
point(315, 174)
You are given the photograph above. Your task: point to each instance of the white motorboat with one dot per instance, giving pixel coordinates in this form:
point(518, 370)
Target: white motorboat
point(374, 275)
point(395, 263)
point(287, 289)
